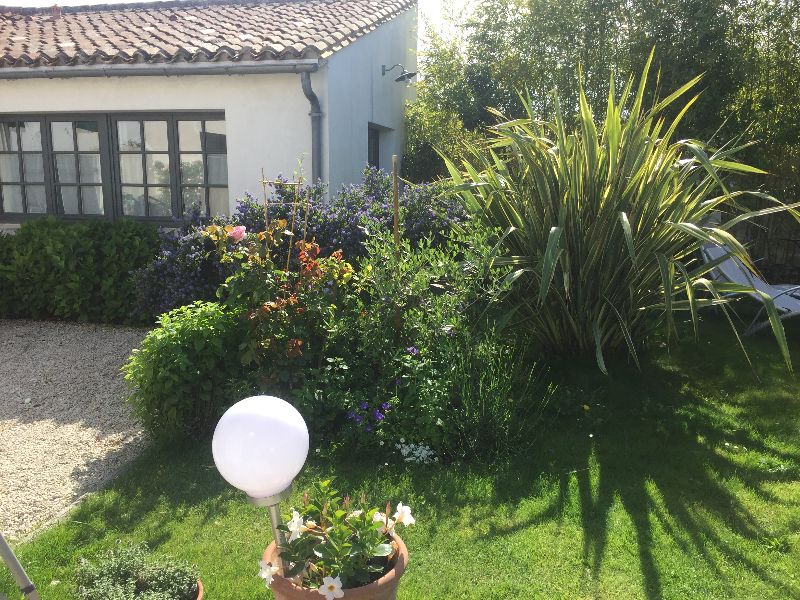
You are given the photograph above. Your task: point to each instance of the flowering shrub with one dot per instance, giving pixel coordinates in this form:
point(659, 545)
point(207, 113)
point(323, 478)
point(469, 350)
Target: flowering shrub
point(388, 347)
point(334, 544)
point(183, 271)
point(342, 223)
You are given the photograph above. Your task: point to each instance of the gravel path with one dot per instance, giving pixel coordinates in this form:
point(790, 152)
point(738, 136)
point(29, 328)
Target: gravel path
point(64, 428)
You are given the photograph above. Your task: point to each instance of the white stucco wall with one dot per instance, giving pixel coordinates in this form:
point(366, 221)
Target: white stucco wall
point(358, 95)
point(266, 115)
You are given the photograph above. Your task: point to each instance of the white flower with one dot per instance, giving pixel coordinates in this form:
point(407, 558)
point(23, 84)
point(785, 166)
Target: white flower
point(295, 525)
point(403, 515)
point(308, 525)
point(355, 513)
point(379, 517)
point(331, 588)
point(267, 571)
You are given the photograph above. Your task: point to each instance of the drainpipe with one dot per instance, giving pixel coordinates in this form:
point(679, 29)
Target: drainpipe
point(316, 126)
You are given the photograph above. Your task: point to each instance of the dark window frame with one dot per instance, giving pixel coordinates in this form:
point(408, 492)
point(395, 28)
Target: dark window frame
point(374, 146)
point(109, 161)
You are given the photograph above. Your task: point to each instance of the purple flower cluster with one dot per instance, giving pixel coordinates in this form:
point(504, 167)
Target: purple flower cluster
point(367, 416)
point(343, 221)
point(184, 270)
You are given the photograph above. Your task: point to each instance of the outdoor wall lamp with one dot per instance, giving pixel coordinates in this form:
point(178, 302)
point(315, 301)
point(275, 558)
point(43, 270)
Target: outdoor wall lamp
point(405, 74)
point(259, 446)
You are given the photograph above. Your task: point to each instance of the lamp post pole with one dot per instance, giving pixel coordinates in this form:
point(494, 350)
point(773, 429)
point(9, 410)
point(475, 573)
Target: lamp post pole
point(272, 503)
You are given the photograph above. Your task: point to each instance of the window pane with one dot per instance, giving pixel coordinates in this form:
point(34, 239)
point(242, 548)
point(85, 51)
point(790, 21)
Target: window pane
point(215, 136)
point(69, 200)
point(12, 198)
point(130, 135)
point(65, 168)
point(88, 139)
point(160, 201)
point(31, 133)
point(133, 201)
point(8, 137)
point(192, 168)
point(217, 169)
point(34, 167)
point(215, 127)
point(62, 136)
point(131, 168)
point(90, 168)
point(218, 201)
point(155, 136)
point(92, 199)
point(193, 197)
point(157, 168)
point(189, 136)
point(9, 167)
point(37, 202)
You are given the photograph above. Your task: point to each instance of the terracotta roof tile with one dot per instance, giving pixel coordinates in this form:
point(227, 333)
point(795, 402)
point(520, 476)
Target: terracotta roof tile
point(187, 31)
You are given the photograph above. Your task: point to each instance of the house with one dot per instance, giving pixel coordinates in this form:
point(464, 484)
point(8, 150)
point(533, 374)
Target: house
point(143, 109)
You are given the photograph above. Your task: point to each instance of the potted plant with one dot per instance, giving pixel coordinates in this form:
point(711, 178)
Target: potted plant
point(129, 573)
point(337, 550)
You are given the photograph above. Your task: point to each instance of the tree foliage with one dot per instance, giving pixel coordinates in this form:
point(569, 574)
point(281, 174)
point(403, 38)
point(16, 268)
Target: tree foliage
point(748, 51)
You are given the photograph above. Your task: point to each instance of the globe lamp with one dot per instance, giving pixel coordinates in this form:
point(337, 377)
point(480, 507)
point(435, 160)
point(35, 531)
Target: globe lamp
point(259, 446)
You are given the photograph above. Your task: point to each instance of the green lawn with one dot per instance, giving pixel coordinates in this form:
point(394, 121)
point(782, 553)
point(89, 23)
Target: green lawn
point(681, 481)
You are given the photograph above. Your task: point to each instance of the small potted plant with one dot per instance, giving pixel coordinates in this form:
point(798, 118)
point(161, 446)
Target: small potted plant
point(337, 550)
point(129, 573)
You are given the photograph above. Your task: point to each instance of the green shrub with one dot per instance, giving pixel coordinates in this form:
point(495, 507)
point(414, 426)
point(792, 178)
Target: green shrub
point(56, 269)
point(182, 375)
point(388, 364)
point(127, 573)
point(603, 222)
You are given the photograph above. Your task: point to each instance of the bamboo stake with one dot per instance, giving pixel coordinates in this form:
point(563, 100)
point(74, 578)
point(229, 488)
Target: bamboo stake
point(395, 194)
point(266, 200)
point(296, 185)
point(308, 207)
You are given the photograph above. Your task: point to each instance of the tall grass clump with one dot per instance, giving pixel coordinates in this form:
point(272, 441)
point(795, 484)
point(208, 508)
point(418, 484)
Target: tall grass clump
point(603, 221)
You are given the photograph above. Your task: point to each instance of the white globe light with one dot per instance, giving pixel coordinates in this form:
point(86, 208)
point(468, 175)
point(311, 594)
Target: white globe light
point(260, 444)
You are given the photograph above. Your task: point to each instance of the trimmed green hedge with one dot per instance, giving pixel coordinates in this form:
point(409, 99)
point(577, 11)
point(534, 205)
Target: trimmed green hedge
point(76, 271)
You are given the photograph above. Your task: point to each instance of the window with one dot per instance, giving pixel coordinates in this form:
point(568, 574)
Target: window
point(22, 174)
point(78, 172)
point(202, 147)
point(373, 147)
point(150, 166)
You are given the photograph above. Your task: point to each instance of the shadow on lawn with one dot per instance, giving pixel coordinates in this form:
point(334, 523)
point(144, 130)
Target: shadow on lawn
point(663, 455)
point(158, 493)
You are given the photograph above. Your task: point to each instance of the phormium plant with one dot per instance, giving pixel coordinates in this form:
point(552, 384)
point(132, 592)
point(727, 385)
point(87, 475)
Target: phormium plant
point(602, 223)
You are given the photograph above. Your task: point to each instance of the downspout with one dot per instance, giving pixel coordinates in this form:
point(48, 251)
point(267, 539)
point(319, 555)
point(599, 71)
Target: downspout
point(316, 126)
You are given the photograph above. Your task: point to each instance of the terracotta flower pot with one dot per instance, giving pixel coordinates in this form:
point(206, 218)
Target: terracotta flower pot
point(199, 590)
point(384, 588)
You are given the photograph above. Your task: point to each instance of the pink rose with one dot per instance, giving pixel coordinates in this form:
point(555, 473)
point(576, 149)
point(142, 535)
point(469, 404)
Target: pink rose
point(237, 233)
